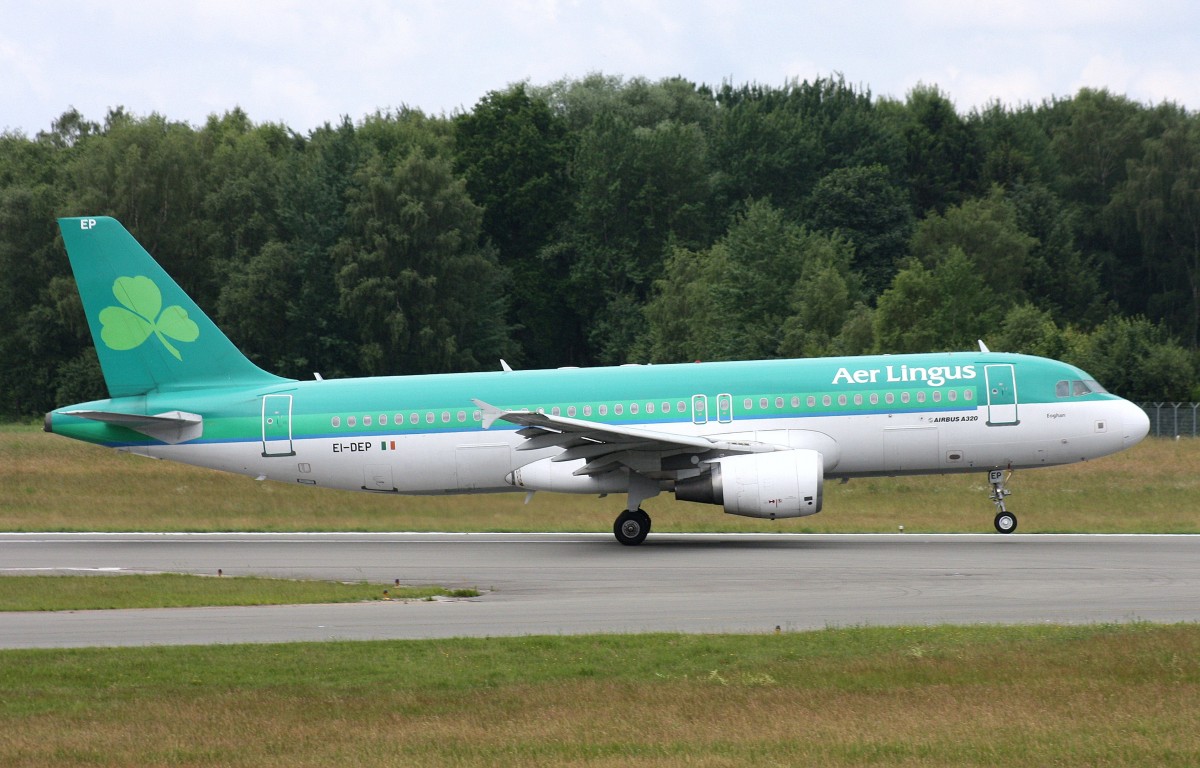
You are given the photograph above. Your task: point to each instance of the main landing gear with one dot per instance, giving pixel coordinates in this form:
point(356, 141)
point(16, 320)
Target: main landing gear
point(633, 524)
point(1005, 522)
point(631, 527)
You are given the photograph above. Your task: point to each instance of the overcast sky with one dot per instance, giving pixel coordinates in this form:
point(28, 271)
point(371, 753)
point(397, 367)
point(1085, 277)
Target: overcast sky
point(306, 63)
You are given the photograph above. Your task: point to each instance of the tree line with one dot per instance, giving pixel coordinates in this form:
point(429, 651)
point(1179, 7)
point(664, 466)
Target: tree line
point(606, 220)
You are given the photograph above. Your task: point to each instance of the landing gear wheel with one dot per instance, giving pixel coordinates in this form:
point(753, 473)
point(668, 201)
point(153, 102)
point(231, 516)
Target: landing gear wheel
point(1006, 522)
point(631, 527)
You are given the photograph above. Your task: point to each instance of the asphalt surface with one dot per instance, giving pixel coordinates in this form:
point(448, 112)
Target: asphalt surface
point(570, 584)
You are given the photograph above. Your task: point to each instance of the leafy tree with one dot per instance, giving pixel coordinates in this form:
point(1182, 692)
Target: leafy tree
point(1163, 188)
point(514, 153)
point(941, 159)
point(1134, 358)
point(769, 287)
point(862, 205)
point(944, 307)
point(986, 232)
point(423, 295)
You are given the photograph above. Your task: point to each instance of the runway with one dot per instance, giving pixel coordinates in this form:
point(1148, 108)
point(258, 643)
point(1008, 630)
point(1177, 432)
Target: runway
point(585, 583)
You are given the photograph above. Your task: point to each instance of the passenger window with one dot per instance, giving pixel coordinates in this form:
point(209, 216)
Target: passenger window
point(366, 421)
point(604, 410)
point(587, 410)
point(937, 396)
point(414, 418)
point(351, 421)
point(633, 408)
point(905, 397)
point(570, 410)
point(618, 409)
point(826, 401)
point(875, 399)
point(337, 421)
point(812, 401)
point(749, 404)
point(858, 399)
point(762, 403)
point(841, 399)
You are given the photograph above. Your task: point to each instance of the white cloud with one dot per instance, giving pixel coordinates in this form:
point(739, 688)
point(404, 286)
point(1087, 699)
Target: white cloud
point(306, 63)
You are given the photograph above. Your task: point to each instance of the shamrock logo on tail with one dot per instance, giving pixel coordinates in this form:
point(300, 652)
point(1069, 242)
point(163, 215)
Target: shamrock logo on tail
point(141, 314)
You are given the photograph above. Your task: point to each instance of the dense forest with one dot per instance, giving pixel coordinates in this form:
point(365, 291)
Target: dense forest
point(608, 220)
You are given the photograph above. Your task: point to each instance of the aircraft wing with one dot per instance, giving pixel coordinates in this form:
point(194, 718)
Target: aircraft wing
point(605, 446)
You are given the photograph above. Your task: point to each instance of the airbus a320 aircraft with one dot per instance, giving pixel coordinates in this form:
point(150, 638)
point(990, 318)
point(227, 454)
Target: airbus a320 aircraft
point(757, 438)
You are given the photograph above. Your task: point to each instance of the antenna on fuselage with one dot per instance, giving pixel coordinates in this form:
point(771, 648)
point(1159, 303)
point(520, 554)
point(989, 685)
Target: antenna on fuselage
point(983, 347)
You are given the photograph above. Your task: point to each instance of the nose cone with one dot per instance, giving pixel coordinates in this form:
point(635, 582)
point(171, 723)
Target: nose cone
point(1135, 423)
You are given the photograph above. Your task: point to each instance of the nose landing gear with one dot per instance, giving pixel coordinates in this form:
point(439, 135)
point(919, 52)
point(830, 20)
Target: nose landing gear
point(1005, 522)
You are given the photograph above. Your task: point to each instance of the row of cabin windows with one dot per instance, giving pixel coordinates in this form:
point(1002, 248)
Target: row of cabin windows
point(889, 398)
point(413, 418)
point(618, 409)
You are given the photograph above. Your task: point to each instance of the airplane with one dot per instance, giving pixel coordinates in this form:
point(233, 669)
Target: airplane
point(758, 438)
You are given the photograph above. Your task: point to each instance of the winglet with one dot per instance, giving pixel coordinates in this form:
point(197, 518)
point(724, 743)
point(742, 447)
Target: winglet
point(490, 413)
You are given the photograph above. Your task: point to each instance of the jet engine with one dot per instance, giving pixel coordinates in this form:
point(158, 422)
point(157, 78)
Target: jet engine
point(771, 485)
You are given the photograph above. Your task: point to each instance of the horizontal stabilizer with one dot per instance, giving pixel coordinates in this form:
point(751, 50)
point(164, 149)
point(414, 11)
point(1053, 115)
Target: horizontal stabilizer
point(171, 427)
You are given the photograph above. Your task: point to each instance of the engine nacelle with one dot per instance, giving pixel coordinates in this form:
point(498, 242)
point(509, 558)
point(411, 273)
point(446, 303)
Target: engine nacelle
point(771, 485)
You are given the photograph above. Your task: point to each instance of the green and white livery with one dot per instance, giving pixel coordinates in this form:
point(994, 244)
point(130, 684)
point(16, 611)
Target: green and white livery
point(758, 438)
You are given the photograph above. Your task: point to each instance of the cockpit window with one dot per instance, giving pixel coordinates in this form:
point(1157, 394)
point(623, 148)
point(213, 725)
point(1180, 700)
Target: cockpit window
point(1078, 387)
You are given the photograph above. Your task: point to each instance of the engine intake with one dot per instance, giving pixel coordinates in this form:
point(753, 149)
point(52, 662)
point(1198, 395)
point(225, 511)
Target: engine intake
point(771, 485)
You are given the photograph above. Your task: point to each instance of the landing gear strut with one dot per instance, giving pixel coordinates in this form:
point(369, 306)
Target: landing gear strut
point(1005, 522)
point(631, 527)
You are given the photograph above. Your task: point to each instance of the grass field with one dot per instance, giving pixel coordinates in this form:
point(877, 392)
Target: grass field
point(975, 696)
point(53, 484)
point(173, 590)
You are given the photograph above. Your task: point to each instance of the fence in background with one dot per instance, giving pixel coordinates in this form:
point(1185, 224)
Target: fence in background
point(1172, 419)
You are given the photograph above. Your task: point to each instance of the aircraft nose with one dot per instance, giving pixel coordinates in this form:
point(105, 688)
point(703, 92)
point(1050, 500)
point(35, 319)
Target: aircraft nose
point(1135, 422)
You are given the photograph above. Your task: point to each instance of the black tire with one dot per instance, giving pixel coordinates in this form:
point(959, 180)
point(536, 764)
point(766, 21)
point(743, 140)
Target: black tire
point(1005, 522)
point(631, 527)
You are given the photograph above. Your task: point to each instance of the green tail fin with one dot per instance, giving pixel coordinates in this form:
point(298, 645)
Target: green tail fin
point(149, 334)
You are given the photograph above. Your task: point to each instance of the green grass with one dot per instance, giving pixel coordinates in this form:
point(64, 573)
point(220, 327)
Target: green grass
point(169, 590)
point(949, 696)
point(51, 483)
